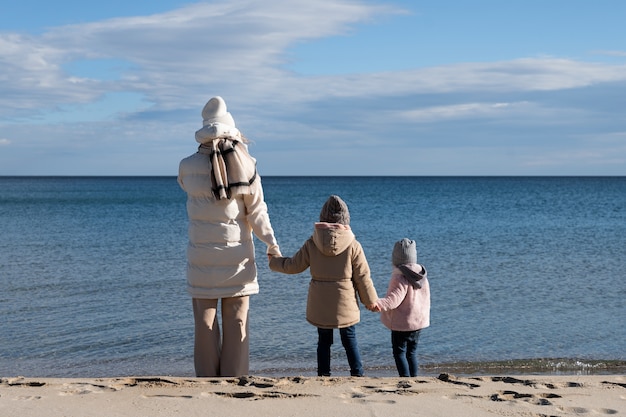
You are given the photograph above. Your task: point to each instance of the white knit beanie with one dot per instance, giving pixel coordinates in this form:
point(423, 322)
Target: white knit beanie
point(214, 111)
point(404, 252)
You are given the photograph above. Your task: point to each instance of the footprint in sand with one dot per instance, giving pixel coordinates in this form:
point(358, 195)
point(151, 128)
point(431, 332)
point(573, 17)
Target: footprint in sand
point(259, 395)
point(20, 381)
point(84, 388)
point(247, 381)
point(262, 384)
point(401, 387)
point(541, 399)
point(148, 382)
point(619, 384)
point(582, 410)
point(535, 384)
point(454, 380)
point(363, 394)
point(169, 397)
point(360, 397)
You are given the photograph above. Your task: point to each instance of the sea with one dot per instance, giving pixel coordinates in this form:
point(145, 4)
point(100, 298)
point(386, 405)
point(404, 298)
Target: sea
point(527, 275)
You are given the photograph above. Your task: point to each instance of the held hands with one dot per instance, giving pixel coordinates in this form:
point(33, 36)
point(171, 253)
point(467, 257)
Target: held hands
point(373, 308)
point(273, 251)
point(273, 255)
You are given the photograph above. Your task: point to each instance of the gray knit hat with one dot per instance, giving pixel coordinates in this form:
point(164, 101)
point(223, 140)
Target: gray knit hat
point(404, 252)
point(335, 210)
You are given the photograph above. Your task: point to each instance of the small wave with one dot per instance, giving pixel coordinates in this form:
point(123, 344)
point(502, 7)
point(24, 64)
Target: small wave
point(551, 366)
point(541, 366)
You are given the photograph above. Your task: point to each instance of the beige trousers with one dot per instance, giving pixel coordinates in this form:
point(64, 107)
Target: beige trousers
point(215, 355)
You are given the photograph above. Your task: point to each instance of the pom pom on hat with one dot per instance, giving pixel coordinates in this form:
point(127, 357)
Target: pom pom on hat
point(404, 252)
point(215, 111)
point(335, 210)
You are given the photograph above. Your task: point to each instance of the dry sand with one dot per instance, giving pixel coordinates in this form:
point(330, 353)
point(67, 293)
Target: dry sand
point(255, 396)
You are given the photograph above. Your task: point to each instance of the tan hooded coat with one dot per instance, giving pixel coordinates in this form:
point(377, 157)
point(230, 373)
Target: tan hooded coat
point(339, 274)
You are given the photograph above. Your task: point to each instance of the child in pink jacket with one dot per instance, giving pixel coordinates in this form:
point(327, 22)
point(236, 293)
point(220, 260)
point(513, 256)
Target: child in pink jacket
point(405, 310)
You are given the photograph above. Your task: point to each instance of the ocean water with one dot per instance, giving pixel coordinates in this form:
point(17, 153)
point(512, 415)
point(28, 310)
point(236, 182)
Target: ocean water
point(528, 274)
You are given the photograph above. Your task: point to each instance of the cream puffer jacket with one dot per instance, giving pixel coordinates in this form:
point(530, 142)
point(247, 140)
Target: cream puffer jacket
point(340, 275)
point(220, 253)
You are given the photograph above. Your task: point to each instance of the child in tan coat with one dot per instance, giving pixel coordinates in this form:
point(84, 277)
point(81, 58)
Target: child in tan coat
point(339, 272)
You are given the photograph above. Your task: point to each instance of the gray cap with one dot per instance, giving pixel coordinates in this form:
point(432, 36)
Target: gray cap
point(404, 252)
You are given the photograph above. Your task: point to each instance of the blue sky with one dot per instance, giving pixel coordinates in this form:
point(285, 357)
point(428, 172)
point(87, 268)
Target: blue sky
point(337, 87)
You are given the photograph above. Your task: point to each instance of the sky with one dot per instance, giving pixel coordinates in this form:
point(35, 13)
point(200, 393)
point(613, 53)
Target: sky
point(324, 87)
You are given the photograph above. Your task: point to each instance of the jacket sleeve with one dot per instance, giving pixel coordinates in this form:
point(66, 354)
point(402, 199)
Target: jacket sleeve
point(180, 176)
point(395, 293)
point(361, 276)
point(294, 265)
point(259, 219)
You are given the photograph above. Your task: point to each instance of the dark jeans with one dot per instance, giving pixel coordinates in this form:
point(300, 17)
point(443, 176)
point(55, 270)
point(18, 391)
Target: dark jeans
point(404, 345)
point(348, 340)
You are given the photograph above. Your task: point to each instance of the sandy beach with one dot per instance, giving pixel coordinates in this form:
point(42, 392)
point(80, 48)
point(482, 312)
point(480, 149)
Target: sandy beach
point(443, 395)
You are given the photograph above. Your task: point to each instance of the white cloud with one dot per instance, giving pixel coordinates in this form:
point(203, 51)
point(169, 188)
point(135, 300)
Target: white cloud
point(4, 142)
point(459, 111)
point(170, 63)
point(611, 53)
point(175, 58)
point(32, 80)
point(530, 74)
point(581, 158)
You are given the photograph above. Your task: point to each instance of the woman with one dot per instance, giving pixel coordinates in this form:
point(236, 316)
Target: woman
point(225, 205)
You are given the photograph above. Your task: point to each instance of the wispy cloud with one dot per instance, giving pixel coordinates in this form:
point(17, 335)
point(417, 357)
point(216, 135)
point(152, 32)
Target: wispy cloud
point(584, 158)
point(174, 57)
point(459, 111)
point(611, 53)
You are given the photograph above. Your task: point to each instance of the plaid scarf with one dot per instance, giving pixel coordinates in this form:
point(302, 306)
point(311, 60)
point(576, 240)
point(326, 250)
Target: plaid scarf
point(233, 169)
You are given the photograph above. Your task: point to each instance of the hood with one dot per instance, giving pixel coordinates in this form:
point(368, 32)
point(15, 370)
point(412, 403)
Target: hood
point(332, 238)
point(217, 130)
point(413, 272)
